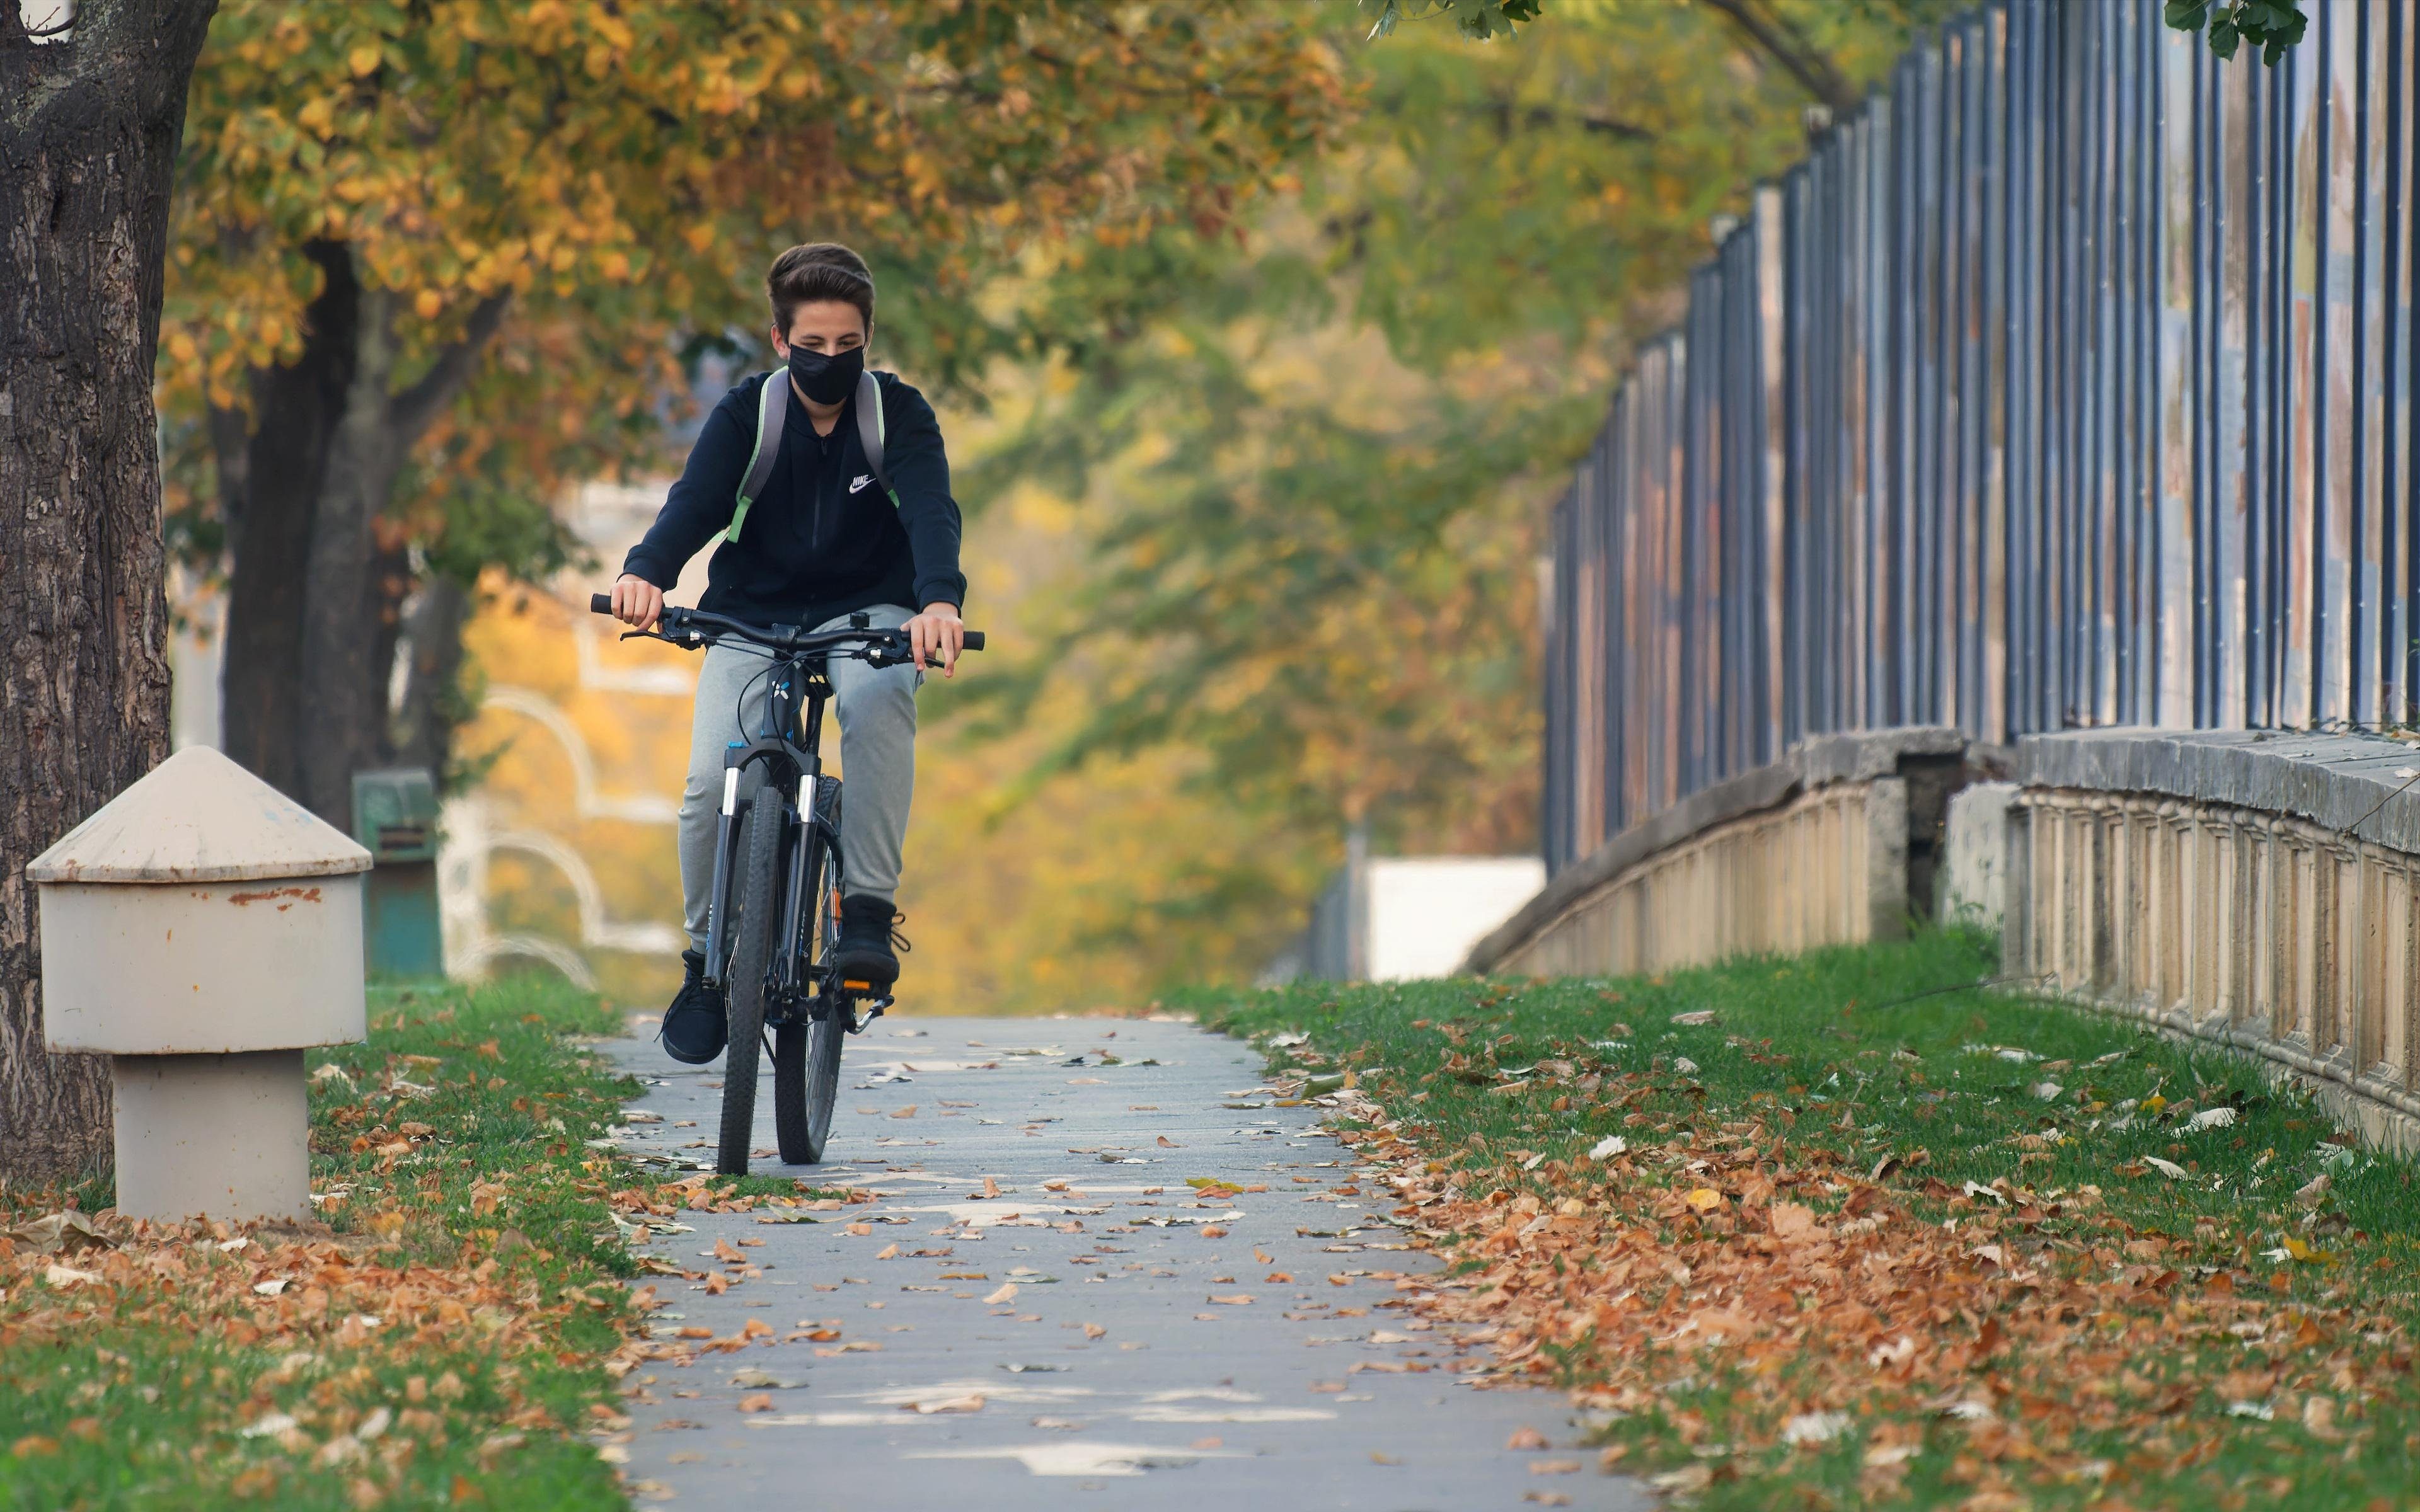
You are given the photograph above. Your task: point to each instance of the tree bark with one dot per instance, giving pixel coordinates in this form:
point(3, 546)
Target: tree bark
point(432, 703)
point(316, 586)
point(270, 481)
point(89, 124)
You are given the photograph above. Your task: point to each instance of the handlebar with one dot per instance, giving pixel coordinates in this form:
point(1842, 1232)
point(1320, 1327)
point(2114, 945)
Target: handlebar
point(687, 624)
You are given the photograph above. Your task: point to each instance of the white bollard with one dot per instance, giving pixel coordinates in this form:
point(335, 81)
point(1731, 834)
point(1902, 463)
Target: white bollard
point(202, 928)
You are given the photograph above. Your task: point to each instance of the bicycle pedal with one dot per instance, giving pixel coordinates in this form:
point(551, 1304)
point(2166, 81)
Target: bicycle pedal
point(874, 1007)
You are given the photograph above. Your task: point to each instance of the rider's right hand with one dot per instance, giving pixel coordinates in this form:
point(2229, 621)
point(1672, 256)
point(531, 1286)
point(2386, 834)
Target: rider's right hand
point(637, 601)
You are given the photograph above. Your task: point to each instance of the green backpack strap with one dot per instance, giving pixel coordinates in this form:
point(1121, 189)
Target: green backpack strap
point(772, 407)
point(870, 429)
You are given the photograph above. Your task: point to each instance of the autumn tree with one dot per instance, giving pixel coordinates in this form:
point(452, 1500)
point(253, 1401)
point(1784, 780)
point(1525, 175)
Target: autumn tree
point(1309, 492)
point(432, 256)
point(91, 106)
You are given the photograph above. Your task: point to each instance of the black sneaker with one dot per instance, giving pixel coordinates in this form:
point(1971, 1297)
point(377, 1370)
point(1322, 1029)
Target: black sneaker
point(696, 1026)
point(865, 957)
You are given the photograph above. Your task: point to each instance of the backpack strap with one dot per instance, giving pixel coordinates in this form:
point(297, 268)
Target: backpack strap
point(772, 407)
point(870, 427)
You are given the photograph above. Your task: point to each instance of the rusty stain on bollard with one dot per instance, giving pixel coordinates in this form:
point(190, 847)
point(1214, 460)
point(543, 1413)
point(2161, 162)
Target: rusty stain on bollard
point(206, 1032)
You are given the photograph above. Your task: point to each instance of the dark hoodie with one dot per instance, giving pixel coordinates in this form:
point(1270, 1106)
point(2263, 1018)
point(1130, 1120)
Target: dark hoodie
point(822, 540)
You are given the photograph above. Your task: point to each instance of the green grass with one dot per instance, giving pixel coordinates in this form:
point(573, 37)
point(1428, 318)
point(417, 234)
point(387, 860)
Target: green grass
point(1856, 1056)
point(472, 1218)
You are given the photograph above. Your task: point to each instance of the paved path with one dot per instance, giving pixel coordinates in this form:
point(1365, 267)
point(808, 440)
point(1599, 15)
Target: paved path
point(1121, 1372)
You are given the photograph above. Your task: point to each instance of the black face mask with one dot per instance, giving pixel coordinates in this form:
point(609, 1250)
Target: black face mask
point(826, 377)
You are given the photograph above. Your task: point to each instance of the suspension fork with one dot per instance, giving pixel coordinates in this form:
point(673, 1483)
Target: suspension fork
point(780, 705)
point(726, 836)
point(800, 911)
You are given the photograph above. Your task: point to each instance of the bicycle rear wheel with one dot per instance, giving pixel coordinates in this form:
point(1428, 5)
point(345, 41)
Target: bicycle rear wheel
point(806, 1055)
point(756, 892)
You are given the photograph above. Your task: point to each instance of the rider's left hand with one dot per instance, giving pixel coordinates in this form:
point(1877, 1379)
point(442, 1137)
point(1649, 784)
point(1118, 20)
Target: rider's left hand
point(939, 634)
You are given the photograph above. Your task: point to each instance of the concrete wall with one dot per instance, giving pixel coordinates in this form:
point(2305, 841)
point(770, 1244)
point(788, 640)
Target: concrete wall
point(1836, 843)
point(2257, 891)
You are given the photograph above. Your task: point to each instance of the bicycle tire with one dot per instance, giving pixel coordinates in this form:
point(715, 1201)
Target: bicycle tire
point(757, 891)
point(806, 1056)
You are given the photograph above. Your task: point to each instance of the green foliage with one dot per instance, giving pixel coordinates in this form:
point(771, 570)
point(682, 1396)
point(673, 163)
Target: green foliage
point(1480, 19)
point(1308, 472)
point(2270, 25)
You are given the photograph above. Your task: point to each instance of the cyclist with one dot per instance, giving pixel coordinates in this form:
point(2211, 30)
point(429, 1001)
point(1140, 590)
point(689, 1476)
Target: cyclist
point(822, 538)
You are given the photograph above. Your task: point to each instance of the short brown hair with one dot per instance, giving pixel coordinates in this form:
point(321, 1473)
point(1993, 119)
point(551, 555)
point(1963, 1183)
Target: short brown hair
point(816, 271)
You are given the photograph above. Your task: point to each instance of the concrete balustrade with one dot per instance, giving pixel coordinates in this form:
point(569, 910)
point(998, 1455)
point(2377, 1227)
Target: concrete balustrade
point(2260, 891)
point(1836, 843)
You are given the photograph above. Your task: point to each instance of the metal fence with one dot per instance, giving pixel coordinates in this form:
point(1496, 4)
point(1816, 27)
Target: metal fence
point(2069, 384)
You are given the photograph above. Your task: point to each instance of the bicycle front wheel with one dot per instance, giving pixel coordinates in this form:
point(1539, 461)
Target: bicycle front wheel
point(756, 891)
point(806, 1056)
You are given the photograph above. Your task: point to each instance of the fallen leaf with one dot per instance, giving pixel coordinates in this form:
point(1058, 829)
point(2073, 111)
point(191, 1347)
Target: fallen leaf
point(1703, 1015)
point(65, 1232)
point(944, 1404)
point(908, 1111)
point(757, 1402)
point(1093, 1330)
point(888, 1252)
point(1610, 1146)
point(2168, 1168)
point(1006, 1292)
point(1816, 1427)
point(1232, 1300)
point(1527, 1438)
point(1706, 1199)
point(1791, 1221)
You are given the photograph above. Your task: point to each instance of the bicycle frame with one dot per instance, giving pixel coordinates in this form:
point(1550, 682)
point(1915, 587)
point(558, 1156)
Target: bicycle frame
point(800, 688)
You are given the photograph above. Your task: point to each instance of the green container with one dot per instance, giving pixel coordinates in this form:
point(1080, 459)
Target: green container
point(394, 818)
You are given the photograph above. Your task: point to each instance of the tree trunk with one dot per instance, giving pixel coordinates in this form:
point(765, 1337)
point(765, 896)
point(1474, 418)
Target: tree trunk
point(432, 692)
point(270, 482)
point(89, 123)
point(316, 586)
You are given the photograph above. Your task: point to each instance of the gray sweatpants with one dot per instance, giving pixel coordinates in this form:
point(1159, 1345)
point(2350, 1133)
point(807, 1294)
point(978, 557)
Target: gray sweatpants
point(877, 710)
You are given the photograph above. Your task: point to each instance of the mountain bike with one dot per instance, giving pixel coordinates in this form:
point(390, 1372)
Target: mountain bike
point(773, 921)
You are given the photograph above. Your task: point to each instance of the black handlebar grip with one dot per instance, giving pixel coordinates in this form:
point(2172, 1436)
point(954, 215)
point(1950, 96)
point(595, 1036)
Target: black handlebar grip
point(601, 603)
point(974, 640)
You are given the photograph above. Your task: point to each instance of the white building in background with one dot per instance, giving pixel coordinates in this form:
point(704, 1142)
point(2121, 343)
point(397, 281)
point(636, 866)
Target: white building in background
point(1398, 919)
